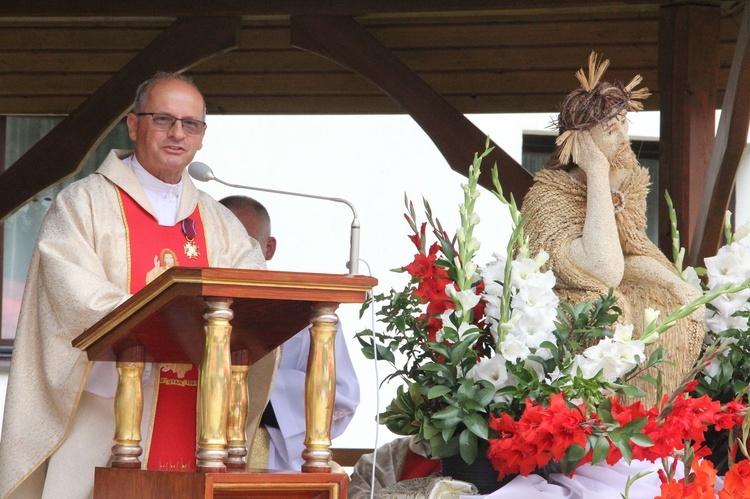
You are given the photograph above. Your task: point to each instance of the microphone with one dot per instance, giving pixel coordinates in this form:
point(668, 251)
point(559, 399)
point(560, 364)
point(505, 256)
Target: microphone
point(203, 173)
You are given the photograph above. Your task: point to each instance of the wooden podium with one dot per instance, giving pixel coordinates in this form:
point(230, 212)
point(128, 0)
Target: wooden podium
point(222, 320)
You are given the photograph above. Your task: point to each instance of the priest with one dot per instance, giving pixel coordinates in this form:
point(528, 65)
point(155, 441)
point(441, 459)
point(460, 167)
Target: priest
point(99, 243)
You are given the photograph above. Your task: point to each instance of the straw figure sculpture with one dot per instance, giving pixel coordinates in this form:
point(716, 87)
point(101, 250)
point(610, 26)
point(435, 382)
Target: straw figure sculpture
point(587, 209)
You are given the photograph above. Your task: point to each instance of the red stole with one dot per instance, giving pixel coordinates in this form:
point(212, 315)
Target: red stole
point(152, 249)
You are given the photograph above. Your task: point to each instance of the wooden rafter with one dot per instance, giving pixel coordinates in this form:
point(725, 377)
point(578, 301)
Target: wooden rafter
point(344, 41)
point(175, 8)
point(63, 151)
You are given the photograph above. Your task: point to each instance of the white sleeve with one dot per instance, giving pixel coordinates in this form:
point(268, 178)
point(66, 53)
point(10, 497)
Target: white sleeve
point(288, 396)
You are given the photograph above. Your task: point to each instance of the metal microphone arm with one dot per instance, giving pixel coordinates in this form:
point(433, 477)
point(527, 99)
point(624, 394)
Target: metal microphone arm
point(353, 264)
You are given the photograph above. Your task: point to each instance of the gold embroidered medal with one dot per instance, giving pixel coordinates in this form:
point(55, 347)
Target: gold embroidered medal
point(191, 249)
point(188, 228)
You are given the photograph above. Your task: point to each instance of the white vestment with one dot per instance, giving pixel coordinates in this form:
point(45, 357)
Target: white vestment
point(288, 399)
point(54, 433)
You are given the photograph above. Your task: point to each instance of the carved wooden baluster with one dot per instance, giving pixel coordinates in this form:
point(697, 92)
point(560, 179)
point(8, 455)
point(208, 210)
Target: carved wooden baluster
point(128, 408)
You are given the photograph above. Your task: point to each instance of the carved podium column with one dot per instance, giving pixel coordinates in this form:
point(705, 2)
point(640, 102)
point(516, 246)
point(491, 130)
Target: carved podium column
point(237, 417)
point(213, 387)
point(320, 389)
point(128, 409)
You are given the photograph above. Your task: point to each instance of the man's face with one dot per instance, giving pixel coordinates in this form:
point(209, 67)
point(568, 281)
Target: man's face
point(166, 153)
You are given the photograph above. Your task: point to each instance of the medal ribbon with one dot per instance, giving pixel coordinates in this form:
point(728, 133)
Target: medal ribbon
point(188, 228)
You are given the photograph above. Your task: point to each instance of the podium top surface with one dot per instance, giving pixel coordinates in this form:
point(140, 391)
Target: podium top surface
point(166, 316)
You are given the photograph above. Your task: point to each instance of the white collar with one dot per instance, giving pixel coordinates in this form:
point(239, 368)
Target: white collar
point(164, 197)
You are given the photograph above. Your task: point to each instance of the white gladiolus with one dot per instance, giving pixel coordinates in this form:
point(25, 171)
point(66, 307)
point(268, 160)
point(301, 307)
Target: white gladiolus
point(713, 367)
point(465, 300)
point(691, 277)
point(540, 259)
point(650, 316)
point(719, 323)
point(623, 333)
point(727, 305)
point(614, 356)
point(742, 231)
point(492, 370)
point(730, 266)
point(513, 348)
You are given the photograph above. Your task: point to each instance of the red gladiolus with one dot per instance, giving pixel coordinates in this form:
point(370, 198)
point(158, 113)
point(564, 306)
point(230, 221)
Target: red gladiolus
point(434, 324)
point(732, 414)
point(737, 482)
point(671, 490)
point(701, 486)
point(423, 266)
point(417, 238)
point(540, 435)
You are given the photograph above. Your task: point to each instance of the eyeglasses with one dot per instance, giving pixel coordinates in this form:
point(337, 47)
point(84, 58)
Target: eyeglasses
point(167, 121)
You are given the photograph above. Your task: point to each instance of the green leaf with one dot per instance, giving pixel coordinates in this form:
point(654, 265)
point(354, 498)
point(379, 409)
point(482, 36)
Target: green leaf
point(437, 391)
point(439, 368)
point(601, 449)
point(437, 445)
point(634, 426)
point(477, 425)
point(429, 431)
point(466, 390)
point(449, 412)
point(657, 357)
point(451, 448)
point(632, 391)
point(605, 411)
point(448, 432)
point(386, 354)
point(623, 444)
point(575, 453)
point(468, 446)
point(642, 440)
point(439, 348)
point(484, 396)
point(471, 405)
point(460, 348)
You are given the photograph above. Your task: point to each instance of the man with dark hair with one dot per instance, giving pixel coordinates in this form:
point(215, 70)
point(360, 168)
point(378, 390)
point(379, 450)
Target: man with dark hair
point(284, 417)
point(96, 246)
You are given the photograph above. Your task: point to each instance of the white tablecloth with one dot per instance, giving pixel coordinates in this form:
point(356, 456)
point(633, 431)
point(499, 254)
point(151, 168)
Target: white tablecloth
point(588, 482)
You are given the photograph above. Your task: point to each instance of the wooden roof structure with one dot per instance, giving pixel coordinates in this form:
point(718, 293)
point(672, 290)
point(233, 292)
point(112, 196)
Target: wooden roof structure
point(433, 59)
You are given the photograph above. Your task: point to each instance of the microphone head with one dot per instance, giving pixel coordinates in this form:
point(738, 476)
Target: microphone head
point(201, 171)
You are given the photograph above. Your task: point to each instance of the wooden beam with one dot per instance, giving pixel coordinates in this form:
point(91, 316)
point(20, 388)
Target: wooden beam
point(731, 138)
point(688, 74)
point(312, 104)
point(342, 40)
point(63, 151)
point(177, 8)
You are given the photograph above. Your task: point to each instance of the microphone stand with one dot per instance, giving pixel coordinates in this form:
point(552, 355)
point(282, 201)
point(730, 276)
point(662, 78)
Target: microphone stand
point(353, 264)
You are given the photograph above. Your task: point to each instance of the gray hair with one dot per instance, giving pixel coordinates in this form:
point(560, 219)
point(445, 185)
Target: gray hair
point(143, 89)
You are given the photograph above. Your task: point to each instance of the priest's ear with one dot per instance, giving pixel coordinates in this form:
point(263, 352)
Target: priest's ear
point(270, 248)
